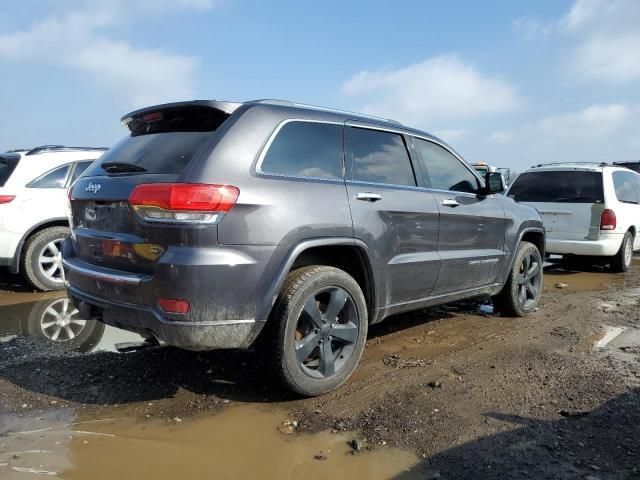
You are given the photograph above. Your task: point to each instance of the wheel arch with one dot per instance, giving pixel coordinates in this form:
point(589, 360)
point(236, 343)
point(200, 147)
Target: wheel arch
point(348, 254)
point(52, 222)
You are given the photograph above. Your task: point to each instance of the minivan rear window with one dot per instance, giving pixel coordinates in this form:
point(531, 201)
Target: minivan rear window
point(558, 187)
point(164, 141)
point(7, 166)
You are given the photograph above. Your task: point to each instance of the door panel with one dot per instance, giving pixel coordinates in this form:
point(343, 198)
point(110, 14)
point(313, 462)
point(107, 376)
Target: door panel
point(471, 227)
point(401, 229)
point(471, 241)
point(391, 214)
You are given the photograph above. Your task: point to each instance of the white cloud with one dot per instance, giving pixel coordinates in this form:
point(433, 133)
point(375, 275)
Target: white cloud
point(533, 29)
point(452, 134)
point(607, 39)
point(434, 90)
point(80, 40)
point(501, 136)
point(595, 133)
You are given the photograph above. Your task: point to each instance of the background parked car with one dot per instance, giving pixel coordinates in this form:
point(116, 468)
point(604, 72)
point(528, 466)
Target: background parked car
point(33, 217)
point(587, 209)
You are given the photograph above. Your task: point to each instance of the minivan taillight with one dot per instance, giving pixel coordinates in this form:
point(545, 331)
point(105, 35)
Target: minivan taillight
point(6, 198)
point(608, 220)
point(183, 202)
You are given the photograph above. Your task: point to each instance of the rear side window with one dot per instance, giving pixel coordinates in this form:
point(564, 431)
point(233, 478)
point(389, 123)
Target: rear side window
point(380, 157)
point(79, 170)
point(163, 141)
point(558, 187)
point(445, 171)
point(626, 185)
point(306, 149)
point(7, 166)
point(56, 178)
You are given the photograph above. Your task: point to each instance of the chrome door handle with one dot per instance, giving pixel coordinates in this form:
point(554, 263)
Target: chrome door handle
point(368, 197)
point(449, 202)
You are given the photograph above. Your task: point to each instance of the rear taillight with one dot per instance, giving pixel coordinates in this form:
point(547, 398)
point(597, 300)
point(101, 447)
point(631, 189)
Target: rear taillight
point(6, 198)
point(183, 202)
point(608, 220)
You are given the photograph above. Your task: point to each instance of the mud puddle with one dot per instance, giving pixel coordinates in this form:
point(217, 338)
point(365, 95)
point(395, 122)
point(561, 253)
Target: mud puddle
point(556, 278)
point(53, 321)
point(239, 443)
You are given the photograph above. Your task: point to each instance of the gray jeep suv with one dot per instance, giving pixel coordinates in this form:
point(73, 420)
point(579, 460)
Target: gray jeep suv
point(214, 224)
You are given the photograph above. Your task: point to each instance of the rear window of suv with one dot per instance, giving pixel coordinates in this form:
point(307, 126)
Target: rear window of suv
point(164, 141)
point(7, 166)
point(558, 187)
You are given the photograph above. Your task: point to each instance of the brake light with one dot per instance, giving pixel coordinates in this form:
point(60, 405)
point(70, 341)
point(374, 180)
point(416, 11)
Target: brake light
point(608, 220)
point(171, 305)
point(6, 198)
point(183, 202)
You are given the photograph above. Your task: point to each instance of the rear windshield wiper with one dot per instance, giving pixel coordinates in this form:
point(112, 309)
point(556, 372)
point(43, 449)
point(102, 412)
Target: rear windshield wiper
point(122, 167)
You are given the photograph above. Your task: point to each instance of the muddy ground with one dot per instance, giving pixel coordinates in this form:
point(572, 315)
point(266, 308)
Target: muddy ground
point(468, 394)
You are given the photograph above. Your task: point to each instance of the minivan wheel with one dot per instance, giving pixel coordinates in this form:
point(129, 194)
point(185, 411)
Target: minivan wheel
point(521, 294)
point(42, 259)
point(621, 261)
point(319, 328)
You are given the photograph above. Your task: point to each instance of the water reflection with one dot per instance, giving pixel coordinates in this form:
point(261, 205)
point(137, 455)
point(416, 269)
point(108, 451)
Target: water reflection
point(56, 322)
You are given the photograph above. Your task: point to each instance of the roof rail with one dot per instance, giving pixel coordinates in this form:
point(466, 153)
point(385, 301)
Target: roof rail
point(48, 148)
point(599, 164)
point(287, 103)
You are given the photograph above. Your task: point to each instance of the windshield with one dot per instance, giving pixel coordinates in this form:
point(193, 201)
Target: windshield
point(558, 187)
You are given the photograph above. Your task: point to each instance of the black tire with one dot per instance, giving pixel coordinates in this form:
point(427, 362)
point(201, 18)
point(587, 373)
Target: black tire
point(36, 246)
point(621, 261)
point(511, 301)
point(292, 331)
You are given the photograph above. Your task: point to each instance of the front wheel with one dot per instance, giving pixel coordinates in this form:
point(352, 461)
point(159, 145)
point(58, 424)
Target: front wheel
point(318, 329)
point(521, 294)
point(621, 261)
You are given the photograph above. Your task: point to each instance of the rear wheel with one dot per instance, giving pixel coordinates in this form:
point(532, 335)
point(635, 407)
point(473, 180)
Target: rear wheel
point(521, 294)
point(621, 261)
point(318, 329)
point(42, 259)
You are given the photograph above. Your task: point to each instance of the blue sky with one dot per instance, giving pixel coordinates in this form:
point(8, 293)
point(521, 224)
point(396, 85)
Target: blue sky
point(510, 83)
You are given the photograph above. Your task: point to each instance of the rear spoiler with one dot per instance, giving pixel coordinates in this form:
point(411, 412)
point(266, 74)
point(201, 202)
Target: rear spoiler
point(224, 107)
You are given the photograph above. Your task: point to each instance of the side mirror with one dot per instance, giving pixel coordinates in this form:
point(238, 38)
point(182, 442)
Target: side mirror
point(494, 183)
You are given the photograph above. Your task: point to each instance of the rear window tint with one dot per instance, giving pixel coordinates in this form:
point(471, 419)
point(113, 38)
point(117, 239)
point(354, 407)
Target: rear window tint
point(164, 141)
point(558, 187)
point(306, 149)
point(156, 153)
point(7, 166)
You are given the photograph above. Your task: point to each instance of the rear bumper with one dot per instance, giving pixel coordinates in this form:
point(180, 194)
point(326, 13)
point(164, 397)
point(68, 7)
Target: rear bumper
point(9, 242)
point(205, 335)
point(606, 246)
point(227, 288)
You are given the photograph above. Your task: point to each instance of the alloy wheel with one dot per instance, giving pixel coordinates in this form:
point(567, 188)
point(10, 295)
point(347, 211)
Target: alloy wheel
point(50, 261)
point(326, 332)
point(529, 280)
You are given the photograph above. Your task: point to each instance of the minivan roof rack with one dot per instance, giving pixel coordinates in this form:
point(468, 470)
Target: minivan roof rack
point(598, 164)
point(48, 148)
point(287, 103)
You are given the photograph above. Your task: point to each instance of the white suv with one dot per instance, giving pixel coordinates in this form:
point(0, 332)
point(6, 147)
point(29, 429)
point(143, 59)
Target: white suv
point(33, 216)
point(587, 209)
